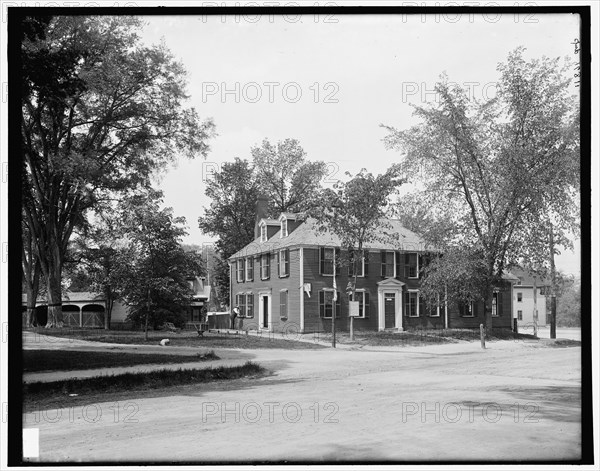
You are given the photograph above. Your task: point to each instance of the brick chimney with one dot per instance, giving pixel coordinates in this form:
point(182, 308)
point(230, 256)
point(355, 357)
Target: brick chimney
point(262, 211)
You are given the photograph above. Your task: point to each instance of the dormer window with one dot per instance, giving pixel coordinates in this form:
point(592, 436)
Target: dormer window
point(284, 228)
point(263, 233)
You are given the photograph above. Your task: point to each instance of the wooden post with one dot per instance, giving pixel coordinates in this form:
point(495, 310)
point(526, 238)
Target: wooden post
point(334, 303)
point(535, 310)
point(482, 335)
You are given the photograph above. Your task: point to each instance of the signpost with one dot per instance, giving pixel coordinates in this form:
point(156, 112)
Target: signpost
point(353, 308)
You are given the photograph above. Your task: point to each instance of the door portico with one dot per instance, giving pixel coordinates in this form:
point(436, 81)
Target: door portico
point(390, 289)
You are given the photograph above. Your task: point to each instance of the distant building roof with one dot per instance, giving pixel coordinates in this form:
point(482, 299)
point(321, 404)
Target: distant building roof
point(526, 278)
point(72, 296)
point(307, 235)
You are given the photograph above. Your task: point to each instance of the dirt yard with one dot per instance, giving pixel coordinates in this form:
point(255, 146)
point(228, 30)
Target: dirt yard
point(512, 401)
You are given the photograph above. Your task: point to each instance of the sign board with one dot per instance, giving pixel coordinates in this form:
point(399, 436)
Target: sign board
point(353, 309)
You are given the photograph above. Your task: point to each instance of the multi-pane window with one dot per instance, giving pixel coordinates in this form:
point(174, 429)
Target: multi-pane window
point(411, 265)
point(263, 233)
point(411, 303)
point(363, 303)
point(265, 266)
point(249, 305)
point(387, 264)
point(240, 270)
point(357, 265)
point(520, 315)
point(284, 228)
point(283, 304)
point(241, 302)
point(496, 304)
point(326, 304)
point(519, 297)
point(250, 269)
point(429, 309)
point(284, 263)
point(467, 309)
point(326, 259)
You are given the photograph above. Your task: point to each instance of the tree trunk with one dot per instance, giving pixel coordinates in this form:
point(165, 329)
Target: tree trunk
point(108, 312)
point(32, 286)
point(55, 317)
point(487, 311)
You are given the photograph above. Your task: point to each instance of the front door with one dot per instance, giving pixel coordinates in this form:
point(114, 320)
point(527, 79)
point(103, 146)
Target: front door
point(390, 310)
point(265, 312)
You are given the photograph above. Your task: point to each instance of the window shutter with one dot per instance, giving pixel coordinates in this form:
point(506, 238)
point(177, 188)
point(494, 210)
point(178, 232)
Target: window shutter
point(322, 303)
point(287, 262)
point(406, 304)
point(338, 305)
point(366, 255)
point(366, 306)
point(337, 260)
point(499, 304)
point(279, 263)
point(475, 309)
point(399, 272)
point(422, 306)
point(321, 260)
point(383, 267)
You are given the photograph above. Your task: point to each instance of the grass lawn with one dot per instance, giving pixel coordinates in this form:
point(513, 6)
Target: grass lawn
point(422, 337)
point(180, 338)
point(65, 360)
point(42, 395)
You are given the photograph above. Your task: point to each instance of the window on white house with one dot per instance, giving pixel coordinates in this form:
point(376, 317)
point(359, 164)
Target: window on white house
point(284, 263)
point(284, 228)
point(326, 258)
point(411, 265)
point(411, 303)
point(520, 315)
point(388, 264)
point(283, 304)
point(362, 297)
point(240, 270)
point(519, 297)
point(326, 303)
point(265, 266)
point(263, 233)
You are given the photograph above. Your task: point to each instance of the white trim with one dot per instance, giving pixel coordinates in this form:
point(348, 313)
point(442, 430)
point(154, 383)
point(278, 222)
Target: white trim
point(261, 295)
point(389, 285)
point(417, 275)
point(301, 265)
point(283, 220)
point(414, 290)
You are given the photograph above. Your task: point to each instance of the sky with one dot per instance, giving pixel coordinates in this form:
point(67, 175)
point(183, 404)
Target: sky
point(331, 81)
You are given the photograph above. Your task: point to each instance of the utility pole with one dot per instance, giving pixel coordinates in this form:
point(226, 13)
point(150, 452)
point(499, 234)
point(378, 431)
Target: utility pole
point(553, 292)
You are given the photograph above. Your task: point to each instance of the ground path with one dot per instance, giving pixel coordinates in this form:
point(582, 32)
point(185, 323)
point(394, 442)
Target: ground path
point(512, 401)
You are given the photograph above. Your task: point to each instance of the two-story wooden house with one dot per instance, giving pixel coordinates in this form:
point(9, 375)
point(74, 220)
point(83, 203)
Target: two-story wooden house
point(283, 281)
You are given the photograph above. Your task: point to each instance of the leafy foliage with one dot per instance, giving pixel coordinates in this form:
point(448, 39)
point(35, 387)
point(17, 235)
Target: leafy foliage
point(489, 170)
point(100, 113)
point(290, 181)
point(153, 275)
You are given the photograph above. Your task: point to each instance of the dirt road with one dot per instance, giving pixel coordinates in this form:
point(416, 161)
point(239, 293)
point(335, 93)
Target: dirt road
point(513, 401)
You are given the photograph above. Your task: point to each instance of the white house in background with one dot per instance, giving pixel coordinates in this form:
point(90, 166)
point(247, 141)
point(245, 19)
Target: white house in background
point(523, 300)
